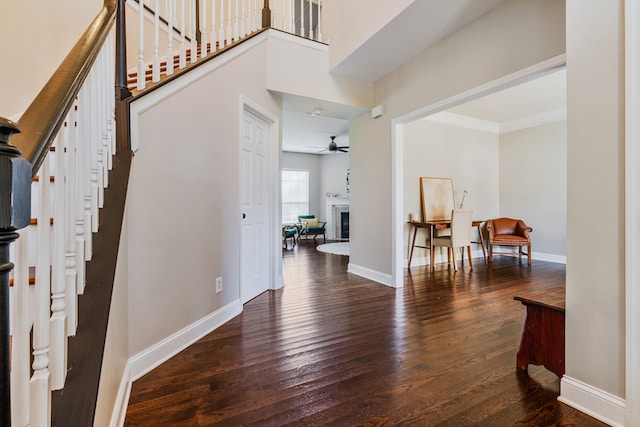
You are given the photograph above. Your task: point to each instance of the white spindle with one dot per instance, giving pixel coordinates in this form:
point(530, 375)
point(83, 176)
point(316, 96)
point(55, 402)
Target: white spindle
point(20, 331)
point(71, 211)
point(170, 54)
point(311, 19)
point(41, 379)
point(58, 332)
point(203, 32)
point(302, 18)
point(183, 37)
point(93, 149)
point(222, 40)
point(319, 28)
point(243, 22)
point(229, 28)
point(83, 214)
point(213, 35)
point(292, 16)
point(155, 74)
point(236, 24)
point(284, 21)
point(192, 32)
point(141, 67)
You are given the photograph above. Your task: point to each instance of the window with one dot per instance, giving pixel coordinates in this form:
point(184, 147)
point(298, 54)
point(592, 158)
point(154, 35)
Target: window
point(295, 194)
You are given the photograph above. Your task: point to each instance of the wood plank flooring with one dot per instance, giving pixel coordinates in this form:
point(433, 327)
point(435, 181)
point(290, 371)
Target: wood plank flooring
point(334, 349)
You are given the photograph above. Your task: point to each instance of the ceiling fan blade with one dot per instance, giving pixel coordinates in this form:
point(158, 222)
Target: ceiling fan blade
point(343, 150)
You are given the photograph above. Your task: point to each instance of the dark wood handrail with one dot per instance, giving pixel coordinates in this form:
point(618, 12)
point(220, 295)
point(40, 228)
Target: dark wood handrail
point(43, 118)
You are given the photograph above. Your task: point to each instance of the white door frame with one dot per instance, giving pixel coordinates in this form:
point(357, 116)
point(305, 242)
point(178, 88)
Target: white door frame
point(397, 148)
point(273, 188)
point(632, 214)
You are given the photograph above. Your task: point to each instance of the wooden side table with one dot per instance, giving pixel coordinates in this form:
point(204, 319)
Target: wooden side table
point(542, 341)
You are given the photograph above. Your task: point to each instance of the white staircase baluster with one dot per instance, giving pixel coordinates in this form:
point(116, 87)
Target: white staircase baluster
point(41, 379)
point(311, 19)
point(243, 22)
point(141, 66)
point(93, 148)
point(20, 336)
point(319, 28)
point(155, 73)
point(183, 37)
point(212, 33)
point(83, 215)
point(170, 54)
point(302, 18)
point(236, 24)
point(203, 31)
point(222, 40)
point(58, 321)
point(71, 212)
point(229, 28)
point(292, 17)
point(192, 32)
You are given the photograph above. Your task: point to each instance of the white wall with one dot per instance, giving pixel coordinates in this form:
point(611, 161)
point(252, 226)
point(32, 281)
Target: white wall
point(183, 206)
point(516, 35)
point(533, 185)
point(34, 51)
point(469, 157)
point(339, 18)
point(334, 174)
point(595, 316)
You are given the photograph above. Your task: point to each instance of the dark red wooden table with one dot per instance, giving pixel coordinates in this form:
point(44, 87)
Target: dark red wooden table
point(542, 340)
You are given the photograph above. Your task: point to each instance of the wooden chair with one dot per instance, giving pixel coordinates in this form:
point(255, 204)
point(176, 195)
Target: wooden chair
point(509, 232)
point(460, 236)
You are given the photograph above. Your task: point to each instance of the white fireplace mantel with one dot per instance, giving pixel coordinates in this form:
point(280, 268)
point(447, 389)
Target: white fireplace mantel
point(331, 205)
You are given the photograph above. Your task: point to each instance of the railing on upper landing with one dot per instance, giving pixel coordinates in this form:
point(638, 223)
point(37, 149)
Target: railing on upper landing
point(187, 30)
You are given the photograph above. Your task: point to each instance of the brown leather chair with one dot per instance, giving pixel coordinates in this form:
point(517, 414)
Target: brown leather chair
point(509, 232)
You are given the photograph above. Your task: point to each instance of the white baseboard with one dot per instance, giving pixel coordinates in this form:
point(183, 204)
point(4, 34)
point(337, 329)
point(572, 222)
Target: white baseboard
point(162, 351)
point(599, 404)
point(367, 273)
point(122, 398)
point(560, 259)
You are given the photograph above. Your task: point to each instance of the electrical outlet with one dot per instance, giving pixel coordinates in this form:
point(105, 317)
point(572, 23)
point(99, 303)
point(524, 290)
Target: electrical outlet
point(218, 285)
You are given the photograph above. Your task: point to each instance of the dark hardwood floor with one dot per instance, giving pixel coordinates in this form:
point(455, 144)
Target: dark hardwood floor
point(332, 348)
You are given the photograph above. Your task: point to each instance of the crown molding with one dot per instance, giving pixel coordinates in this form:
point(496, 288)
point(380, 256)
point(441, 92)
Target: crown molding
point(459, 120)
point(473, 123)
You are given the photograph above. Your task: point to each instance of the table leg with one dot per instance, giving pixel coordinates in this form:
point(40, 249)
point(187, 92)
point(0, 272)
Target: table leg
point(432, 229)
point(413, 242)
point(484, 254)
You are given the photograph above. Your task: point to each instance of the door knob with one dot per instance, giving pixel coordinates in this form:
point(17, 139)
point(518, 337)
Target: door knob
point(244, 216)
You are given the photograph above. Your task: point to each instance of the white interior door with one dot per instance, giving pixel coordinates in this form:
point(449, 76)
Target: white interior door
point(254, 232)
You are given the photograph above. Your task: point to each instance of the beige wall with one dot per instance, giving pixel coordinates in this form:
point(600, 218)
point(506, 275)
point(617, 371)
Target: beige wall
point(512, 37)
point(116, 348)
point(370, 15)
point(533, 183)
point(469, 157)
point(35, 50)
point(595, 194)
point(183, 205)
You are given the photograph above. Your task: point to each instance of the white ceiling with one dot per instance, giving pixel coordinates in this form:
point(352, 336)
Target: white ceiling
point(421, 25)
point(535, 101)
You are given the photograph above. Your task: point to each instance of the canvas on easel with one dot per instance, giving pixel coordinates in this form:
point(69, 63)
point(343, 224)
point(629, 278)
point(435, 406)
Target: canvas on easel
point(437, 198)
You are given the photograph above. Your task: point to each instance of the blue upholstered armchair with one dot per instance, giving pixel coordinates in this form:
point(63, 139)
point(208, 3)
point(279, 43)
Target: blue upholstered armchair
point(310, 226)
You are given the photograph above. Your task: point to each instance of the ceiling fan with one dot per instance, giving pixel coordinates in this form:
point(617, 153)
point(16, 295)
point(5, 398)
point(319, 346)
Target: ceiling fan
point(333, 147)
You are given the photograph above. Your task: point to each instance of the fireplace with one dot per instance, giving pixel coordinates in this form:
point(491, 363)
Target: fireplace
point(344, 225)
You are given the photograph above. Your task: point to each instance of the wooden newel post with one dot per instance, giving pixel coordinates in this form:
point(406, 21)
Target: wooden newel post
point(15, 213)
point(266, 15)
